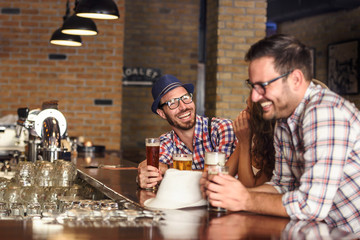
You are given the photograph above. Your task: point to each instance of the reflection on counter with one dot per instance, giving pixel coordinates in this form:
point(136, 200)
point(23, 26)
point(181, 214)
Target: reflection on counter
point(52, 190)
point(314, 230)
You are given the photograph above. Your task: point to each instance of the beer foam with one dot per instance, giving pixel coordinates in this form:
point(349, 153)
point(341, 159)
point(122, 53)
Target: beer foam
point(155, 144)
point(182, 157)
point(215, 158)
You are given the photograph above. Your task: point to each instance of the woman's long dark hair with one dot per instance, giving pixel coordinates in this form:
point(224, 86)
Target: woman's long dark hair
point(262, 150)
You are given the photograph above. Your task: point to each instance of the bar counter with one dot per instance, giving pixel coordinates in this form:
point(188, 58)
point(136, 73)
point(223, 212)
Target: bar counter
point(115, 177)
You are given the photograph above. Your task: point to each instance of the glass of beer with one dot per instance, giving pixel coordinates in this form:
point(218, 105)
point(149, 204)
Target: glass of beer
point(216, 170)
point(152, 151)
point(214, 159)
point(182, 161)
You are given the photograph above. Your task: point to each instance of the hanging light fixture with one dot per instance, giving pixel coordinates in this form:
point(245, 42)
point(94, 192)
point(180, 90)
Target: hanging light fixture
point(62, 39)
point(97, 9)
point(75, 25)
point(59, 38)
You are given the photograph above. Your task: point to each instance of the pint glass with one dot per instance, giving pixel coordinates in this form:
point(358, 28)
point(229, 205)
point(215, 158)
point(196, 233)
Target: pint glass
point(216, 170)
point(182, 161)
point(214, 159)
point(152, 151)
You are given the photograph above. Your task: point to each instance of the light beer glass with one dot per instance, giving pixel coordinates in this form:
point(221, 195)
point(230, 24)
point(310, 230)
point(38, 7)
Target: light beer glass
point(214, 159)
point(211, 172)
point(152, 151)
point(182, 161)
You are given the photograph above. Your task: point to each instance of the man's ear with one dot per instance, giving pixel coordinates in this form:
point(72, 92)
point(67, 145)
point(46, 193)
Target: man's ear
point(161, 113)
point(297, 79)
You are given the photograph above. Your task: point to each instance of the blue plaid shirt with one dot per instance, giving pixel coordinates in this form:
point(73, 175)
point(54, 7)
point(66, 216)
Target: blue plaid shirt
point(222, 140)
point(318, 160)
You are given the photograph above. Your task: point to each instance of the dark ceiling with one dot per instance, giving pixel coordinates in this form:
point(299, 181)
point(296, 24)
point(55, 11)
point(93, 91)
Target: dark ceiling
point(287, 10)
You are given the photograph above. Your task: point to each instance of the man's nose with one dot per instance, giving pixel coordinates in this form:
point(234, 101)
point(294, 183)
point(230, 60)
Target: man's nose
point(255, 96)
point(182, 105)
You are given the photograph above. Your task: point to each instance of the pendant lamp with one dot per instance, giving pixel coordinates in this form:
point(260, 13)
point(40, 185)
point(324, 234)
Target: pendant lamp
point(59, 38)
point(97, 9)
point(75, 25)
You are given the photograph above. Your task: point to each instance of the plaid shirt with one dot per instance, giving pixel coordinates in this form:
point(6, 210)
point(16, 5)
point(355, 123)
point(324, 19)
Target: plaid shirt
point(317, 160)
point(222, 140)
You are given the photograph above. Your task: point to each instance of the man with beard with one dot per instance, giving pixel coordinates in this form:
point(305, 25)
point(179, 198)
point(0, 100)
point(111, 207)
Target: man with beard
point(173, 101)
point(317, 143)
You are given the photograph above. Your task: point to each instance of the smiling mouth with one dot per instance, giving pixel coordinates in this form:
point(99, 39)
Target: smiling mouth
point(266, 105)
point(184, 115)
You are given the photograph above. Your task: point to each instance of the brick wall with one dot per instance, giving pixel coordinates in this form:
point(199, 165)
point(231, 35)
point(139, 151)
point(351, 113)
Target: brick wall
point(163, 35)
point(320, 31)
point(93, 71)
point(233, 26)
point(158, 34)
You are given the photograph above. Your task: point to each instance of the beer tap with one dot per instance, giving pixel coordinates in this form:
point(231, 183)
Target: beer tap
point(46, 127)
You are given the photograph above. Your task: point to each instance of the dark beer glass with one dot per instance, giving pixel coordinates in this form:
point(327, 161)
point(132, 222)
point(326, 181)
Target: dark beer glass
point(152, 151)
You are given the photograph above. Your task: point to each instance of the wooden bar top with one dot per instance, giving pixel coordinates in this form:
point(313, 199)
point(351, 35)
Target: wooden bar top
point(116, 177)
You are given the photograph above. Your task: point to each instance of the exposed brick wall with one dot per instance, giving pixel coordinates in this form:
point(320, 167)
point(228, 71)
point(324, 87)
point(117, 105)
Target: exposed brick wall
point(158, 34)
point(164, 34)
point(28, 77)
point(320, 31)
point(238, 24)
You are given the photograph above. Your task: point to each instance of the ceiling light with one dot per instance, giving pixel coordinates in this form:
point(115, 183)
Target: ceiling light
point(59, 38)
point(75, 25)
point(97, 9)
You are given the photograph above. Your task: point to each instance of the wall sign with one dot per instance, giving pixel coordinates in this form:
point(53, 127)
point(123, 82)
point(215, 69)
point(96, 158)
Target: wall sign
point(343, 67)
point(139, 76)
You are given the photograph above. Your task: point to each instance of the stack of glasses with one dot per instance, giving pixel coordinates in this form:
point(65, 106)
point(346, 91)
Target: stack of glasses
point(37, 188)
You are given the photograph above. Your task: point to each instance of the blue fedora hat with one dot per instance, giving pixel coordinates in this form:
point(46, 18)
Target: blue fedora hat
point(165, 84)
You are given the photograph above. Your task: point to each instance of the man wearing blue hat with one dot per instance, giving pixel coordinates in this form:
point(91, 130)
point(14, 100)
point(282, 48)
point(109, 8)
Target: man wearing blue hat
point(190, 134)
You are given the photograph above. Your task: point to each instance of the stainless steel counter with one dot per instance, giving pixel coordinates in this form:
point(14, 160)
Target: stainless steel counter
point(116, 179)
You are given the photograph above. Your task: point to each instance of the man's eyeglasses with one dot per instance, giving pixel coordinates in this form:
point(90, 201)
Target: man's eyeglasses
point(260, 86)
point(174, 103)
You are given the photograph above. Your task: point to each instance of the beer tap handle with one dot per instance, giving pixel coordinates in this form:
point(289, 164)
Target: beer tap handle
point(23, 113)
point(22, 116)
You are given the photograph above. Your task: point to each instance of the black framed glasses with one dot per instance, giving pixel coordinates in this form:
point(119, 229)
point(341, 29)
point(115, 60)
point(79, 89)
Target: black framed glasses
point(174, 103)
point(260, 86)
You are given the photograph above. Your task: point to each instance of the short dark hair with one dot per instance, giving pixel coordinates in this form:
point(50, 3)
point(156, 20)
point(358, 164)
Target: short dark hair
point(288, 53)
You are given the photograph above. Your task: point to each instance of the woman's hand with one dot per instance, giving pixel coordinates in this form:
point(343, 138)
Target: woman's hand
point(241, 126)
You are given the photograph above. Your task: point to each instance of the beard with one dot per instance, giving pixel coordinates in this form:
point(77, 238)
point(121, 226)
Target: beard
point(180, 125)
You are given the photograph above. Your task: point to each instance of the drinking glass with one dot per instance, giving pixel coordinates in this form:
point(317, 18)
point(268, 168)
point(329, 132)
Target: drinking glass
point(54, 193)
point(32, 195)
point(17, 209)
point(65, 173)
point(152, 151)
point(33, 210)
point(49, 208)
point(44, 173)
point(214, 159)
point(25, 173)
point(12, 194)
point(216, 170)
point(182, 161)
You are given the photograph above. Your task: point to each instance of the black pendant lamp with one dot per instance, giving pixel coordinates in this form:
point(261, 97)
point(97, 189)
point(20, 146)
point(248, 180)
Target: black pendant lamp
point(59, 38)
point(62, 39)
point(75, 25)
point(97, 9)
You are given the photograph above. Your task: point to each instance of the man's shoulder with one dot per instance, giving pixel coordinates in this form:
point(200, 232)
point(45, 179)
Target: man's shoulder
point(325, 98)
point(326, 105)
